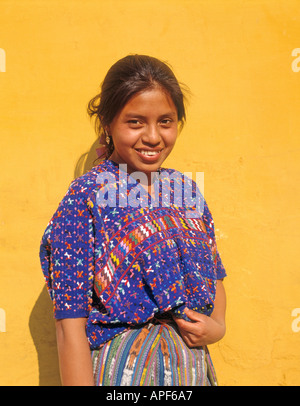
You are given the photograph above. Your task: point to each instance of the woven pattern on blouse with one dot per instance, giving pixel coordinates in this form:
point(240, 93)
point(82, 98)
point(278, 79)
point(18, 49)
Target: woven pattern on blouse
point(119, 264)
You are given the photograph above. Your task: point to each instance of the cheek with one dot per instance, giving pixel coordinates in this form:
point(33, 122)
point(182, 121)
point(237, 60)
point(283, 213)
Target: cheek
point(127, 137)
point(171, 140)
point(122, 139)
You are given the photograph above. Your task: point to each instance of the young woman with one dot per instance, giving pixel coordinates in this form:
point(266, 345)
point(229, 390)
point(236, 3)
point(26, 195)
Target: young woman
point(129, 257)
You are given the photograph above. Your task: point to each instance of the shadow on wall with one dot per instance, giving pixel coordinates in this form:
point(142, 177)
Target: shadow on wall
point(41, 321)
point(42, 329)
point(87, 160)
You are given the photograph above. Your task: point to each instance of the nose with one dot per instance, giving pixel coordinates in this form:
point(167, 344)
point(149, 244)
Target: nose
point(151, 135)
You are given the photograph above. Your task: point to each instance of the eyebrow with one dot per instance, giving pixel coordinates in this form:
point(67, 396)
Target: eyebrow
point(131, 115)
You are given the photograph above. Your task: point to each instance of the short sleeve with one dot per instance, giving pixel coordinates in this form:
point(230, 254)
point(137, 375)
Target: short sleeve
point(210, 229)
point(67, 255)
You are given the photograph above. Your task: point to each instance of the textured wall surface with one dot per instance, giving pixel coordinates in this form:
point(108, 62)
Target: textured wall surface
point(241, 61)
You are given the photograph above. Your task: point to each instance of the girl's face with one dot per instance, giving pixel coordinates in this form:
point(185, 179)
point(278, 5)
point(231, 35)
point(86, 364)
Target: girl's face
point(144, 131)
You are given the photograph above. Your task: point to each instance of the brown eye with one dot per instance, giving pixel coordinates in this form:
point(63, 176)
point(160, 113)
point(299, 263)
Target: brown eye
point(166, 122)
point(134, 123)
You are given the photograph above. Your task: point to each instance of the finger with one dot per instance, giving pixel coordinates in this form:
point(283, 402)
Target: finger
point(188, 313)
point(181, 323)
point(194, 316)
point(188, 327)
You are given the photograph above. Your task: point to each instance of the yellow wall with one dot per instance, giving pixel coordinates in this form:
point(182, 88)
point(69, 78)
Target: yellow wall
point(241, 61)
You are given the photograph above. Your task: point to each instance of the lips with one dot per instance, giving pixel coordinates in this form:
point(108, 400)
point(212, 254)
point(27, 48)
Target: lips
point(148, 152)
point(149, 155)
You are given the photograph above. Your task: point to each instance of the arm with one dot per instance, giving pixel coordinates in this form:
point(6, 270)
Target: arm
point(74, 353)
point(204, 330)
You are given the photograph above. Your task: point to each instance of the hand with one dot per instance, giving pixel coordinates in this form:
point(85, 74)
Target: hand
point(201, 331)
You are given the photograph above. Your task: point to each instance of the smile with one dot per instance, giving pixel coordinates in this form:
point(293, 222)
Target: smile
point(149, 153)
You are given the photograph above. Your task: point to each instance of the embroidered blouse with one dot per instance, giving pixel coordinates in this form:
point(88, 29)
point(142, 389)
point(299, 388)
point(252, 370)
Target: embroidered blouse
point(119, 256)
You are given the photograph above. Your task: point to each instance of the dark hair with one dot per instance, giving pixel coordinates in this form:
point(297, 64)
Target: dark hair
point(127, 77)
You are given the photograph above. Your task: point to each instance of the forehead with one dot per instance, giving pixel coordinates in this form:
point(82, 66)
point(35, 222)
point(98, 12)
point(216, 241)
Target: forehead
point(151, 101)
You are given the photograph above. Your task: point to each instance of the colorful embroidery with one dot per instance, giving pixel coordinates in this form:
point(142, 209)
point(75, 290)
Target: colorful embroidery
point(120, 264)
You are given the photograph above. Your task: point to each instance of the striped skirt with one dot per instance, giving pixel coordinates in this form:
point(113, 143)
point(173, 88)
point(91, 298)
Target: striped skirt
point(154, 355)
